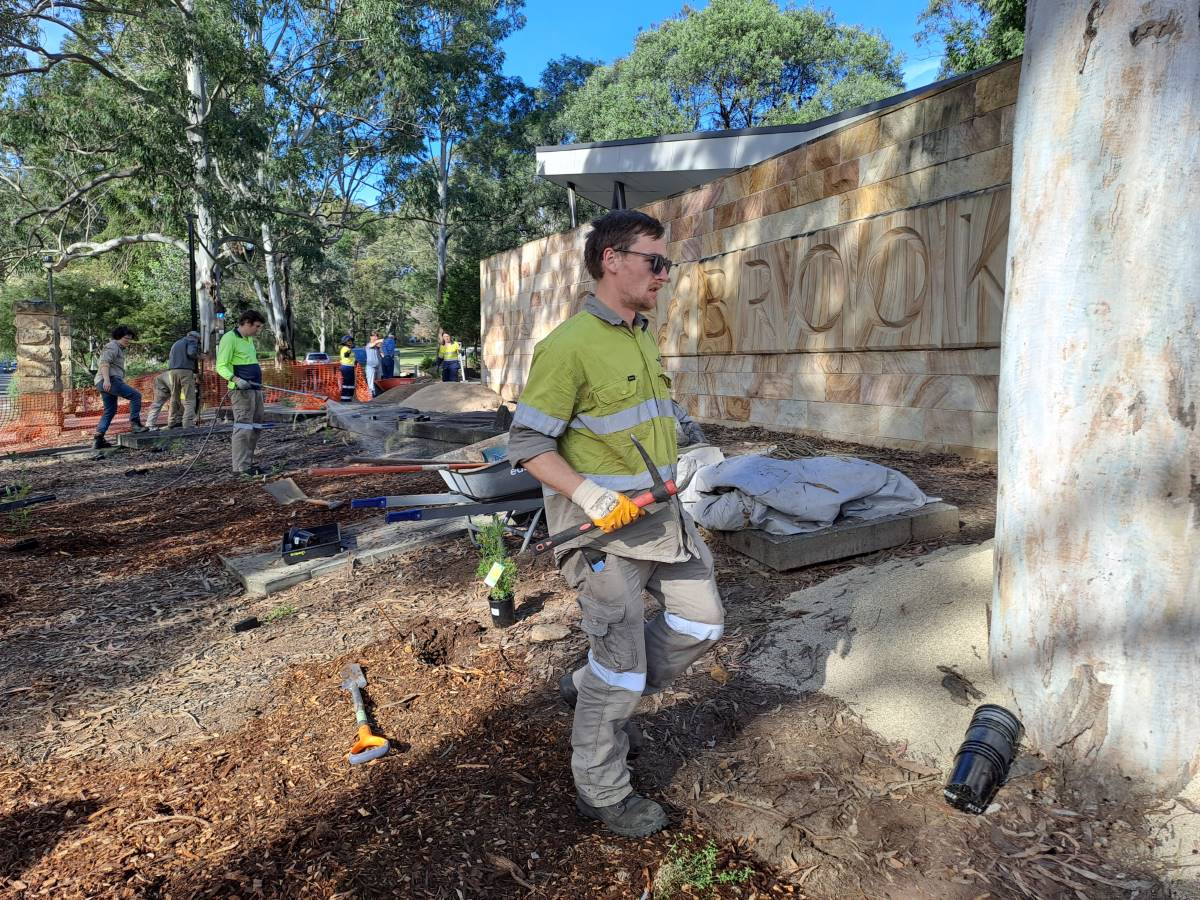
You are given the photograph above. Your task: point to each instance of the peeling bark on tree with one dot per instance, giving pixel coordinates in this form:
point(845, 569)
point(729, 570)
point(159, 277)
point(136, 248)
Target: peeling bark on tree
point(1096, 611)
point(206, 263)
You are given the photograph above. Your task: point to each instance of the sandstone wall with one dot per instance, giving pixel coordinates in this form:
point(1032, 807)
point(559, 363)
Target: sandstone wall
point(851, 287)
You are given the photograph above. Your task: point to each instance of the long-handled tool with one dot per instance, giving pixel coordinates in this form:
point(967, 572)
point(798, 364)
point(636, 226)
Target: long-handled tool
point(659, 492)
point(464, 509)
point(394, 470)
point(368, 746)
point(271, 387)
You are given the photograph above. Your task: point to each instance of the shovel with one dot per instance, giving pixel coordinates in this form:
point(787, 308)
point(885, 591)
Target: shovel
point(368, 746)
point(286, 492)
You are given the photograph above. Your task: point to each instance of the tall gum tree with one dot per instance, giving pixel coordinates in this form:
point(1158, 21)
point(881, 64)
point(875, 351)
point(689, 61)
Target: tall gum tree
point(1096, 611)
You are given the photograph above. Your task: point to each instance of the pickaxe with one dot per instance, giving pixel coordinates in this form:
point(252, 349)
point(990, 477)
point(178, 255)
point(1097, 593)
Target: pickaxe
point(660, 491)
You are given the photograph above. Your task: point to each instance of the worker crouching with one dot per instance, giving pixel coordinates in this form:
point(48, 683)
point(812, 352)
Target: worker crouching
point(595, 382)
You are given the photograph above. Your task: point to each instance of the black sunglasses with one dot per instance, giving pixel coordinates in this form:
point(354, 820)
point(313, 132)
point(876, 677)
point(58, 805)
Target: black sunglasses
point(658, 263)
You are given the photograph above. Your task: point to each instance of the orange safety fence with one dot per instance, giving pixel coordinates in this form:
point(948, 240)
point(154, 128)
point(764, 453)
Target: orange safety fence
point(39, 420)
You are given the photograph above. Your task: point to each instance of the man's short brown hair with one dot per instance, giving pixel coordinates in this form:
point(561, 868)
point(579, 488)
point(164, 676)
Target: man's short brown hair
point(618, 229)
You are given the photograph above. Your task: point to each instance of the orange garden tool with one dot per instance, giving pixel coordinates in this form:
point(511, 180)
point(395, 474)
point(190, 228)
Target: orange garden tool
point(368, 746)
point(658, 493)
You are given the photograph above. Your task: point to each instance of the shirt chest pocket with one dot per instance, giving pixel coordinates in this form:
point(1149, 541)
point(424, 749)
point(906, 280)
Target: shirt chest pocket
point(614, 394)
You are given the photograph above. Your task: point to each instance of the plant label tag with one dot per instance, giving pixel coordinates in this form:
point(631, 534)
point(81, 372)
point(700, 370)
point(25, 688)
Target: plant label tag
point(494, 574)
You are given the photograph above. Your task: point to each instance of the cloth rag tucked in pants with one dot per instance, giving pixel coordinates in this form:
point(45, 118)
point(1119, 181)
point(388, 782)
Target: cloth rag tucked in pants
point(247, 416)
point(630, 656)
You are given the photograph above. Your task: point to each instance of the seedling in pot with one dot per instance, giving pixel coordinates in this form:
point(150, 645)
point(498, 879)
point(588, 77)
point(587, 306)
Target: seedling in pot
point(498, 572)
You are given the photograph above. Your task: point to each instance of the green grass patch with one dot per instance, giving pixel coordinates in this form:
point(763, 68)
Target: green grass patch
point(697, 868)
point(280, 612)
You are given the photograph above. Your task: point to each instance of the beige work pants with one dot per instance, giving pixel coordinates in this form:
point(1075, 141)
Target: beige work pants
point(247, 416)
point(630, 656)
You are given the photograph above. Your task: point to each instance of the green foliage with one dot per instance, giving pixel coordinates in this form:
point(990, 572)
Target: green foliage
point(973, 33)
point(18, 519)
point(492, 550)
point(734, 64)
point(280, 612)
point(686, 867)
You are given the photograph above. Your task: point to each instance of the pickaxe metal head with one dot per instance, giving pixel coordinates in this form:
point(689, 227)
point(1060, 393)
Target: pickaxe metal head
point(661, 490)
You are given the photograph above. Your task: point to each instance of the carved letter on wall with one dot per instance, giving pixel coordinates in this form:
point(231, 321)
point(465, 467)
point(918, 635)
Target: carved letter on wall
point(896, 276)
point(821, 284)
point(716, 337)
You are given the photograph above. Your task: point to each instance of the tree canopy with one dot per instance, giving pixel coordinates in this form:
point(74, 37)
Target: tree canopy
point(734, 64)
point(973, 33)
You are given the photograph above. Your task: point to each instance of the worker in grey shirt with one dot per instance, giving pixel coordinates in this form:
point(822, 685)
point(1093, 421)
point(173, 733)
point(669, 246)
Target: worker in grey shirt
point(110, 382)
point(178, 384)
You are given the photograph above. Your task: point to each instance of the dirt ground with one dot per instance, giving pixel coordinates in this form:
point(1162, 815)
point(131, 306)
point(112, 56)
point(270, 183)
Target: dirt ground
point(147, 750)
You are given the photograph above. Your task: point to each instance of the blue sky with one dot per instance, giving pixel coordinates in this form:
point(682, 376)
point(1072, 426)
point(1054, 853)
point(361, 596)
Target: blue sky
point(554, 28)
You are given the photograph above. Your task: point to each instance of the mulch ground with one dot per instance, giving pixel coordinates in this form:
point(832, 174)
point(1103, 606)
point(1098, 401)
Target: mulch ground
point(148, 751)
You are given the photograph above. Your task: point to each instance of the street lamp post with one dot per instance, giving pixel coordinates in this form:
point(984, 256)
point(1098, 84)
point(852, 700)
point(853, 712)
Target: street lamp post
point(55, 342)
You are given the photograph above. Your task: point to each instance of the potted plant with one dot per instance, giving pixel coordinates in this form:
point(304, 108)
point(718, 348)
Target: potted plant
point(498, 572)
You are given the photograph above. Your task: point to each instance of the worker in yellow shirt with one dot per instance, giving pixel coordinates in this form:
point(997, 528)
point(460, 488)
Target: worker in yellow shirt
point(237, 363)
point(347, 360)
point(448, 354)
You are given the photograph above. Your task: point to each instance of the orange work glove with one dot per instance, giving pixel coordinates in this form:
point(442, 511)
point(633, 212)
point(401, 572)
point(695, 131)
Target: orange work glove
point(608, 509)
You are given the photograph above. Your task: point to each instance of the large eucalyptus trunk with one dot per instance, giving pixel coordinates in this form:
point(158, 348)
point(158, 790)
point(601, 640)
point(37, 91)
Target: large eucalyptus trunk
point(278, 309)
point(443, 231)
point(206, 264)
point(1096, 612)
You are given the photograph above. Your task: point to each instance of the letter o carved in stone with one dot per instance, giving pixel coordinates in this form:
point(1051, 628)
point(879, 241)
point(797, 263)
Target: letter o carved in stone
point(896, 276)
point(823, 296)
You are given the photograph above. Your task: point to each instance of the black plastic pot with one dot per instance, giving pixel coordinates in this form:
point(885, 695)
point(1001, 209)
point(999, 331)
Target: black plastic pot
point(503, 611)
point(984, 758)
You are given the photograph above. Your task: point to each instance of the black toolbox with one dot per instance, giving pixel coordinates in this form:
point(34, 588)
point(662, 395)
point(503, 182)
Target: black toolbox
point(300, 544)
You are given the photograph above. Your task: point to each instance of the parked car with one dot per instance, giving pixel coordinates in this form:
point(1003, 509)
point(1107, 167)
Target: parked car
point(316, 358)
point(8, 365)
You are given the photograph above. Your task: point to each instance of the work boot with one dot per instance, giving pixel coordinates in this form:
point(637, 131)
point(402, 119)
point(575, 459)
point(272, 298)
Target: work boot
point(99, 443)
point(136, 426)
point(254, 472)
point(635, 816)
point(570, 694)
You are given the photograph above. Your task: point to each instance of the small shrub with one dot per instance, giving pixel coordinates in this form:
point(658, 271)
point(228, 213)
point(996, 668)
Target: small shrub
point(492, 550)
point(429, 364)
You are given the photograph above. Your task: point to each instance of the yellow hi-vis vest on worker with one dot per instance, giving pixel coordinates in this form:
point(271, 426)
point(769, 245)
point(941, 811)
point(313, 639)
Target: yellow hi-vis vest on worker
point(594, 382)
point(449, 352)
point(347, 356)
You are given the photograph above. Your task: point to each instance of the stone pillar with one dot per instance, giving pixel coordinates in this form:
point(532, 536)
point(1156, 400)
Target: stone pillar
point(43, 346)
point(43, 338)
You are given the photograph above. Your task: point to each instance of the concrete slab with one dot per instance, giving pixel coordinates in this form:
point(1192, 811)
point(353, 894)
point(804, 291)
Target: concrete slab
point(447, 434)
point(853, 537)
point(263, 574)
point(905, 644)
point(162, 435)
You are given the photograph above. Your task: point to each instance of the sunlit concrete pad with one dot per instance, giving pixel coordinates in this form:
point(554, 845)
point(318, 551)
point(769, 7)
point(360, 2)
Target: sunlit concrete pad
point(853, 537)
point(904, 644)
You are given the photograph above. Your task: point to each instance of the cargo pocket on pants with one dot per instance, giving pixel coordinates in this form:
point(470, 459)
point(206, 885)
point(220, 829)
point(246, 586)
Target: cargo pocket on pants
point(604, 601)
